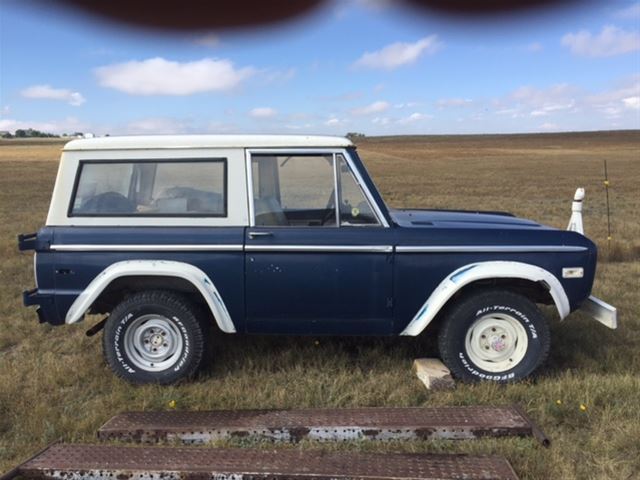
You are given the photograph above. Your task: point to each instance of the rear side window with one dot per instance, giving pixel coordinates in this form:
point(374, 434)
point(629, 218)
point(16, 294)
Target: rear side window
point(151, 188)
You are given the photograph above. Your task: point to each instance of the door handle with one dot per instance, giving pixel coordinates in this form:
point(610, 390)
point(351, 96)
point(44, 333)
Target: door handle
point(260, 234)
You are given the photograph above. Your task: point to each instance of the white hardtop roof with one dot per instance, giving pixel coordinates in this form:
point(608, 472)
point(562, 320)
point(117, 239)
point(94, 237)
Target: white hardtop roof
point(137, 142)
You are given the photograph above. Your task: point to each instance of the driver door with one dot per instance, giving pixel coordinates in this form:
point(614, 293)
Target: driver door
point(318, 259)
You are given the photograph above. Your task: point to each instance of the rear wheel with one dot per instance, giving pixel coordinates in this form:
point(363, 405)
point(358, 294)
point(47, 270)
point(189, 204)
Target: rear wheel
point(494, 335)
point(154, 337)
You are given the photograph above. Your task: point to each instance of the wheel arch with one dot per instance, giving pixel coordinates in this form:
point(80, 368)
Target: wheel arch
point(532, 281)
point(151, 274)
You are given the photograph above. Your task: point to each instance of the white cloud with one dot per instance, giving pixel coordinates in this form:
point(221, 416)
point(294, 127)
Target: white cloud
point(548, 126)
point(375, 107)
point(293, 126)
point(406, 105)
point(263, 112)
point(609, 42)
point(632, 12)
point(207, 40)
point(381, 121)
point(398, 54)
point(548, 108)
point(512, 112)
point(415, 117)
point(278, 76)
point(49, 93)
point(632, 103)
point(6, 110)
point(157, 76)
point(334, 122)
point(454, 102)
point(613, 103)
point(573, 107)
point(556, 97)
point(534, 47)
point(157, 125)
point(537, 102)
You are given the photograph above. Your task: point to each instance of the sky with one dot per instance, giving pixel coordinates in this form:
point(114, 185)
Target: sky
point(369, 66)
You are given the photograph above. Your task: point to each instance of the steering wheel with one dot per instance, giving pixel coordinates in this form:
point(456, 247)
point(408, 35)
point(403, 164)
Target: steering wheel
point(108, 202)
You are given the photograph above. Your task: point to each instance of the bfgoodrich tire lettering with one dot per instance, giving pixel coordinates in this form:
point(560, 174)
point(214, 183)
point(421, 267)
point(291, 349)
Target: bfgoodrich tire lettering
point(154, 337)
point(494, 335)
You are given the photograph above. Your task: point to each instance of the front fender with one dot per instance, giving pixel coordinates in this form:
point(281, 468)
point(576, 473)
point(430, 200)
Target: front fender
point(163, 268)
point(483, 271)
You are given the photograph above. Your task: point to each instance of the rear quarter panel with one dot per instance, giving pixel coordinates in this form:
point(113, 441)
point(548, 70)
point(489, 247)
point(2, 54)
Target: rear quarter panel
point(74, 270)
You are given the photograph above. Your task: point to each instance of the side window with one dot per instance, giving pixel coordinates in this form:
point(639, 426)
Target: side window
point(294, 190)
point(355, 210)
point(144, 188)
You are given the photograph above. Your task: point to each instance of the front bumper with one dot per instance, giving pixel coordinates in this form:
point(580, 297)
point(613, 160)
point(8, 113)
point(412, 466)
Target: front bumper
point(46, 307)
point(601, 311)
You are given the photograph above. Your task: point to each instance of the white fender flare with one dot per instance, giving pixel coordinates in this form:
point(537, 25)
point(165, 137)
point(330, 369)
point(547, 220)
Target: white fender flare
point(161, 268)
point(483, 271)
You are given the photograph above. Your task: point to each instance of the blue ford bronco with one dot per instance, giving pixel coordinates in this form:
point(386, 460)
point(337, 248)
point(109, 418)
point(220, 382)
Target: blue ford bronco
point(170, 236)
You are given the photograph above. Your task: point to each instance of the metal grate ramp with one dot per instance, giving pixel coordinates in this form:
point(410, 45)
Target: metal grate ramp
point(198, 427)
point(108, 462)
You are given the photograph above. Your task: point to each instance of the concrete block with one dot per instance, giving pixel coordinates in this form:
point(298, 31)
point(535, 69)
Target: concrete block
point(433, 373)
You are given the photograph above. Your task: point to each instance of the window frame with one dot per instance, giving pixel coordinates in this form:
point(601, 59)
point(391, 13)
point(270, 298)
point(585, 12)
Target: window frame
point(120, 161)
point(334, 152)
point(360, 185)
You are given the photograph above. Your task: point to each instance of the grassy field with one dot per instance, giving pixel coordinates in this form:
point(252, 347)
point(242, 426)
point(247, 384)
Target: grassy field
point(54, 383)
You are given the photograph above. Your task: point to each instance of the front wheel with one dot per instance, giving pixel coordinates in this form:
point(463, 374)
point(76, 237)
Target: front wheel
point(494, 335)
point(154, 337)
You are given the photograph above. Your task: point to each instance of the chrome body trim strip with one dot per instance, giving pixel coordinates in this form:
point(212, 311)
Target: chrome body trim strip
point(489, 248)
point(318, 248)
point(321, 248)
point(146, 248)
point(336, 189)
point(249, 178)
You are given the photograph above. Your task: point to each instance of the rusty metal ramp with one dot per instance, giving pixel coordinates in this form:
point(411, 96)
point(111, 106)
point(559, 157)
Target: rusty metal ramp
point(198, 427)
point(109, 462)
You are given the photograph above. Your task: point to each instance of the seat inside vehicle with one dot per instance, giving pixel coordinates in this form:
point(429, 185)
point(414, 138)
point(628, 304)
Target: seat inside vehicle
point(268, 212)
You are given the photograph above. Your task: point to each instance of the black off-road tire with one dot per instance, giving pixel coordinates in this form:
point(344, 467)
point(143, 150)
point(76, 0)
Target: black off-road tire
point(463, 315)
point(183, 315)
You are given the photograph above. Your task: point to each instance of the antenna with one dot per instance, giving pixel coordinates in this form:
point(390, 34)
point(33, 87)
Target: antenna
point(606, 189)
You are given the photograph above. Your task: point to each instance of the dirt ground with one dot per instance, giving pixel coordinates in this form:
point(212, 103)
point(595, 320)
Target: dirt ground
point(55, 385)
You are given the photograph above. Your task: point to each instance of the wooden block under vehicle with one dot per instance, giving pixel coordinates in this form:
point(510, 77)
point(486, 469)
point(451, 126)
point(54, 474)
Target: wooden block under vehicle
point(433, 373)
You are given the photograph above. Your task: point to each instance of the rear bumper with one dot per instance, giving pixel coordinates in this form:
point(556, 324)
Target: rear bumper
point(601, 311)
point(46, 307)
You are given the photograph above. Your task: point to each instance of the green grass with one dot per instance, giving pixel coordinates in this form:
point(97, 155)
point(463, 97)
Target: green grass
point(54, 383)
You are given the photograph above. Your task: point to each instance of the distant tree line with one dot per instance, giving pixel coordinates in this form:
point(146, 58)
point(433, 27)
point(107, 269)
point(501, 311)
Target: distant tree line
point(33, 133)
point(355, 135)
point(28, 133)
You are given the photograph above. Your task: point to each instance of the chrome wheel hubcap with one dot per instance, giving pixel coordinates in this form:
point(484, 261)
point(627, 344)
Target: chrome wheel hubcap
point(496, 342)
point(153, 343)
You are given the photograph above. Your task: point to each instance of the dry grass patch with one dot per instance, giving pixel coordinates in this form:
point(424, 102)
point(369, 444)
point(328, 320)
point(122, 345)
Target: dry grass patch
point(54, 383)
